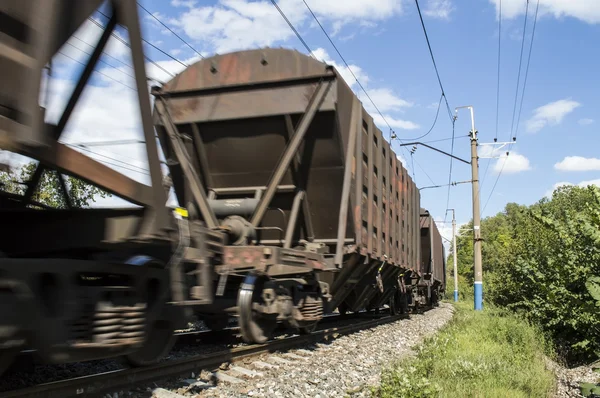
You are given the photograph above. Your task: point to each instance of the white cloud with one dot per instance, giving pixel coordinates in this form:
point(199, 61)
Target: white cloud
point(585, 121)
point(585, 10)
point(512, 163)
point(236, 24)
point(551, 114)
point(322, 55)
point(385, 99)
point(183, 3)
point(393, 122)
point(439, 9)
point(578, 163)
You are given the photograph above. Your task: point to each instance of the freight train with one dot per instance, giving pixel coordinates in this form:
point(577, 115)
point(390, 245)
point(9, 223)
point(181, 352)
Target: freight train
point(291, 203)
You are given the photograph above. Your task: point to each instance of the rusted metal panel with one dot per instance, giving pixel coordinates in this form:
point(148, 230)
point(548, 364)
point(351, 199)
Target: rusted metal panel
point(250, 69)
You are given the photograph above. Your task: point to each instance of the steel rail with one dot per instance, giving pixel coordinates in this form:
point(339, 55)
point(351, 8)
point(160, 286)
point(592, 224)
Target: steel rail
point(102, 383)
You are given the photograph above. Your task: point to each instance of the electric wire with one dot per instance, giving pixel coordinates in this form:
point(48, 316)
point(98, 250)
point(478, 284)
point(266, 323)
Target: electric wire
point(170, 30)
point(153, 46)
point(432, 126)
point(130, 168)
point(104, 52)
point(527, 69)
point(522, 95)
point(124, 42)
point(519, 73)
point(104, 62)
point(434, 63)
point(293, 28)
point(345, 63)
point(96, 71)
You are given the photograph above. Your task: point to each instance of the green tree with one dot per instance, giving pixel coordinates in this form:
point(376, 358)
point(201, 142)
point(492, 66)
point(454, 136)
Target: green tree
point(49, 191)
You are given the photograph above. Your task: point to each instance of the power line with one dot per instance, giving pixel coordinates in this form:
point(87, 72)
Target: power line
point(141, 171)
point(450, 172)
point(522, 95)
point(498, 80)
point(432, 126)
point(120, 39)
point(170, 30)
point(104, 62)
point(153, 46)
point(294, 29)
point(527, 68)
point(97, 71)
point(104, 52)
point(445, 139)
point(433, 60)
point(349, 69)
point(519, 74)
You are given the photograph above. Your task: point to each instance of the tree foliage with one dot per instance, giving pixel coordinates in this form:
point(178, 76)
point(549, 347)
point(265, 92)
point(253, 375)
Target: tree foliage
point(49, 191)
point(543, 261)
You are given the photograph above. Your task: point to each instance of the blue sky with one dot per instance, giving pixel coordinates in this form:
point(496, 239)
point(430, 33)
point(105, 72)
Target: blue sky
point(383, 42)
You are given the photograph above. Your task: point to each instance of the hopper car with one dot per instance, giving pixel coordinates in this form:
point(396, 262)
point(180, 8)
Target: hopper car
point(292, 203)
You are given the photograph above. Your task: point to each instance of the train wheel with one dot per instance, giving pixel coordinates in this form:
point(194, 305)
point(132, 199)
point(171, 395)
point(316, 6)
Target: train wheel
point(158, 343)
point(255, 327)
point(216, 322)
point(343, 308)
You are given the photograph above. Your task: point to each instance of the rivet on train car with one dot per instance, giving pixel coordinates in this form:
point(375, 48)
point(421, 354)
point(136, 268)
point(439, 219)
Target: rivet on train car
point(213, 67)
point(267, 252)
point(263, 59)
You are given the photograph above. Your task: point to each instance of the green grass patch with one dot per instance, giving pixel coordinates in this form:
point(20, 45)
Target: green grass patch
point(488, 353)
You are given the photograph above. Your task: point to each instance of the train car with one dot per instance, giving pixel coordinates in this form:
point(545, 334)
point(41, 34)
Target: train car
point(272, 147)
point(433, 261)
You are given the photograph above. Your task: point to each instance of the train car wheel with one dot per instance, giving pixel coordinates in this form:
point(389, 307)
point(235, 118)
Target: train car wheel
point(158, 343)
point(255, 327)
point(343, 308)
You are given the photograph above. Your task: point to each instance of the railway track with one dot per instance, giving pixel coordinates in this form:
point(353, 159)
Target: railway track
point(103, 383)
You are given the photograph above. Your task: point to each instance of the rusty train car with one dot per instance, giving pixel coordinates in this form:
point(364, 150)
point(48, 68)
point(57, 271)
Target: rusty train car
point(291, 204)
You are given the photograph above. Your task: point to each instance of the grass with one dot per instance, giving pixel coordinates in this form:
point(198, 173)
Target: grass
point(478, 354)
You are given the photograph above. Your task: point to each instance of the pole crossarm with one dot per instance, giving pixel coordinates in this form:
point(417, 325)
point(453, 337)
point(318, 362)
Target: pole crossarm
point(435, 149)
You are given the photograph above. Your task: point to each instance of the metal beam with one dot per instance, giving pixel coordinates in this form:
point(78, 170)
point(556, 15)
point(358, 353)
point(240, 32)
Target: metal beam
point(128, 15)
point(232, 88)
point(290, 151)
point(345, 200)
point(63, 187)
point(71, 162)
point(310, 234)
point(435, 149)
point(75, 95)
point(190, 174)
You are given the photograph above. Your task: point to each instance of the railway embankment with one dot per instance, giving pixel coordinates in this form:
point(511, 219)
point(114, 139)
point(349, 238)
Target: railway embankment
point(349, 365)
point(491, 353)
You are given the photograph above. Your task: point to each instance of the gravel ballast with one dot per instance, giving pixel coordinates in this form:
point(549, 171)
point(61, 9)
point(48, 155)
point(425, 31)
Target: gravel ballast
point(346, 366)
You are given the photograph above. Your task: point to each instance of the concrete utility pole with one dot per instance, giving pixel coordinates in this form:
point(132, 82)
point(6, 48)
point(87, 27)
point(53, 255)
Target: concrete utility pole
point(478, 288)
point(454, 251)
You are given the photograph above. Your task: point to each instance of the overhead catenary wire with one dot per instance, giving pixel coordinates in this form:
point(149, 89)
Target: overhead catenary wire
point(97, 71)
point(522, 95)
point(124, 42)
point(434, 63)
point(519, 72)
point(343, 60)
point(527, 69)
point(170, 30)
point(432, 126)
point(298, 35)
point(102, 61)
